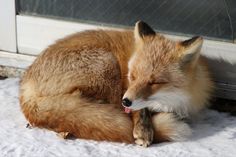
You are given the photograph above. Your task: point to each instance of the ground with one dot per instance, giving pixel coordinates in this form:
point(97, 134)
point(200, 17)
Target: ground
point(214, 135)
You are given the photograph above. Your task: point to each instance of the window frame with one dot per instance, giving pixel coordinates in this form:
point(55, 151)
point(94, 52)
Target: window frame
point(8, 39)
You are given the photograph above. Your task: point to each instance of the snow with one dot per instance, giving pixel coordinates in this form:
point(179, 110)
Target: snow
point(214, 134)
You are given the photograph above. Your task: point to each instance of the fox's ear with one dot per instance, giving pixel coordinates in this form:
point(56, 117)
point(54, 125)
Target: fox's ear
point(142, 29)
point(191, 50)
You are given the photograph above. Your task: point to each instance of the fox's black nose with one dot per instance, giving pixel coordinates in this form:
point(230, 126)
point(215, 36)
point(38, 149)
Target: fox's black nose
point(126, 102)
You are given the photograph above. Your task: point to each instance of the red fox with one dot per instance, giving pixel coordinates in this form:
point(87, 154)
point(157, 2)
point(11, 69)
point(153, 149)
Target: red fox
point(76, 86)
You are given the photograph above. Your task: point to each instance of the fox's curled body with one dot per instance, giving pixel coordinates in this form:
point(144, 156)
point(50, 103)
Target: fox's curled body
point(76, 86)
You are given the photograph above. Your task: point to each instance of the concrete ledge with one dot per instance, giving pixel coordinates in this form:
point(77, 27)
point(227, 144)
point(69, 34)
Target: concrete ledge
point(15, 60)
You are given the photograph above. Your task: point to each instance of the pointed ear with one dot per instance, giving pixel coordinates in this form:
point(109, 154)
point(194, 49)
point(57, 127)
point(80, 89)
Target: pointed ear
point(191, 50)
point(142, 29)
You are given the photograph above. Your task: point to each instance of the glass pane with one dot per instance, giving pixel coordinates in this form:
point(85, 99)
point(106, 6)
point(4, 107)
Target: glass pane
point(209, 18)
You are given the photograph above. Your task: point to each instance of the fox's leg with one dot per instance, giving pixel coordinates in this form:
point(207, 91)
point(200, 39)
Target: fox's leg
point(63, 135)
point(143, 128)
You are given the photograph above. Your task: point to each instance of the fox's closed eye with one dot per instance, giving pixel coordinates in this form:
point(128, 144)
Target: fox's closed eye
point(157, 82)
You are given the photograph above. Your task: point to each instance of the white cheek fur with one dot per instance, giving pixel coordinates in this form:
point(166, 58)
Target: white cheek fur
point(176, 100)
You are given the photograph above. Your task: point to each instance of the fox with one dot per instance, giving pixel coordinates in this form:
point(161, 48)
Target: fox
point(131, 86)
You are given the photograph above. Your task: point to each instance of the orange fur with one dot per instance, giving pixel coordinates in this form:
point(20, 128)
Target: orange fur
point(76, 84)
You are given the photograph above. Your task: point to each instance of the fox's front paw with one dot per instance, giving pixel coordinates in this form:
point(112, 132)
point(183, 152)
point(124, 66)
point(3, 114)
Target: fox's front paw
point(143, 130)
point(143, 135)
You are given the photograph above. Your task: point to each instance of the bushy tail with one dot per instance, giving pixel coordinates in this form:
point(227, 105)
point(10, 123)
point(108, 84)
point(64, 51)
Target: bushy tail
point(83, 119)
point(87, 120)
point(168, 128)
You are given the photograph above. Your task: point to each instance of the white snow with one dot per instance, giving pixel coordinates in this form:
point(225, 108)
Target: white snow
point(214, 135)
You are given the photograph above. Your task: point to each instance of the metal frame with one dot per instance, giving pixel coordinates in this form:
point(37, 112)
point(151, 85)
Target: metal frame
point(8, 26)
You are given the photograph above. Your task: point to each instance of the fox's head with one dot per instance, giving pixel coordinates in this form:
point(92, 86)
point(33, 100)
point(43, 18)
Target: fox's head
point(158, 67)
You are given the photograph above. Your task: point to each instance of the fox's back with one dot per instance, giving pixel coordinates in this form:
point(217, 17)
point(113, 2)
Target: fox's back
point(119, 43)
point(81, 60)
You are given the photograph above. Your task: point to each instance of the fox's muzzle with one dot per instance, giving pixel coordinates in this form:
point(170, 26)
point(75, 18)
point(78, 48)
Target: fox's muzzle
point(134, 92)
